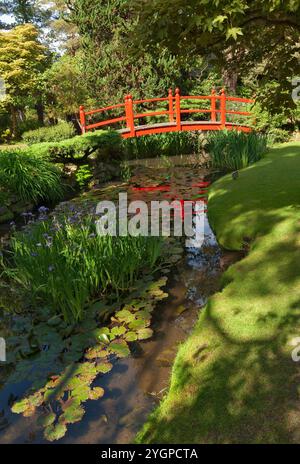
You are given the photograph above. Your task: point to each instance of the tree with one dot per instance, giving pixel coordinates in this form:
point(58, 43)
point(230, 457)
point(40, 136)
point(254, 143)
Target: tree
point(110, 72)
point(23, 59)
point(27, 11)
point(239, 35)
point(64, 88)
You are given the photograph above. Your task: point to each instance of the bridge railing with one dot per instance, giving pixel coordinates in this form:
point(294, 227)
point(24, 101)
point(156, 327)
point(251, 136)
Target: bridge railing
point(216, 108)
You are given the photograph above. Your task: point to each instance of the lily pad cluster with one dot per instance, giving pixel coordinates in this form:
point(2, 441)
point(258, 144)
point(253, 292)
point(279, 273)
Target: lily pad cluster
point(60, 401)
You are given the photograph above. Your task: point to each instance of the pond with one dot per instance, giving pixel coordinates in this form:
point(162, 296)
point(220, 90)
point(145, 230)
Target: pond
point(136, 383)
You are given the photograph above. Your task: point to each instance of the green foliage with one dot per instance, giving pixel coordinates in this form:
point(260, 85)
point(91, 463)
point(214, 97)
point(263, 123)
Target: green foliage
point(27, 11)
point(65, 263)
point(243, 37)
point(22, 60)
point(61, 131)
point(277, 135)
point(108, 69)
point(29, 177)
point(83, 175)
point(235, 150)
point(169, 144)
point(103, 145)
point(65, 86)
point(125, 171)
point(66, 393)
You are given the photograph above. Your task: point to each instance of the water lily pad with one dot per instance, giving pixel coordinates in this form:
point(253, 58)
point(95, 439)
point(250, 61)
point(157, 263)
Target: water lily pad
point(103, 368)
point(73, 383)
point(29, 412)
point(96, 352)
point(82, 393)
point(55, 432)
point(120, 349)
point(124, 316)
point(131, 336)
point(143, 334)
point(72, 415)
point(46, 420)
point(118, 330)
point(104, 338)
point(143, 314)
point(20, 406)
point(139, 324)
point(96, 393)
point(36, 400)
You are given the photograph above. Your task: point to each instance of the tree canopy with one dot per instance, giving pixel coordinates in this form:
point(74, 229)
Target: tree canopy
point(22, 60)
point(26, 11)
point(260, 37)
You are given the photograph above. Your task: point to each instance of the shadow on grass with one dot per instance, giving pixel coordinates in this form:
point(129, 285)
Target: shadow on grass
point(242, 387)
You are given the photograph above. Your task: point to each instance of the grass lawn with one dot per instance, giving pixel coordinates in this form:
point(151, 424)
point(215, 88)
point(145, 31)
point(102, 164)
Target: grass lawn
point(234, 380)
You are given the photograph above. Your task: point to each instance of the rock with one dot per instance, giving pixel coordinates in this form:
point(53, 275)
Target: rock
point(21, 207)
point(5, 214)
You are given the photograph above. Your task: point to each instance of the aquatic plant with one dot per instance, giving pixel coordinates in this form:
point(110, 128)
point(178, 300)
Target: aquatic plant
point(235, 150)
point(169, 144)
point(60, 401)
point(63, 263)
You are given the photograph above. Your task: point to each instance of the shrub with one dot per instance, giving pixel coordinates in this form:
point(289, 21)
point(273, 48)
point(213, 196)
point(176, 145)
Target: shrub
point(64, 264)
point(103, 145)
point(235, 150)
point(41, 150)
point(277, 135)
point(83, 175)
point(61, 131)
point(29, 177)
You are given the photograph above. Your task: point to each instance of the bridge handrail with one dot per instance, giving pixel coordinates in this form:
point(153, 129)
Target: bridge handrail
point(218, 110)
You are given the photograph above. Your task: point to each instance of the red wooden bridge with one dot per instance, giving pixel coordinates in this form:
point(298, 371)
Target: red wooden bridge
point(218, 107)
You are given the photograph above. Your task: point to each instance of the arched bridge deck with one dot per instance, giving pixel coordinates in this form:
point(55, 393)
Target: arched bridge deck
point(222, 112)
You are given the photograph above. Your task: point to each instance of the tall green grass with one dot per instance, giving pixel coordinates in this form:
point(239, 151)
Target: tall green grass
point(169, 144)
point(234, 150)
point(65, 264)
point(29, 177)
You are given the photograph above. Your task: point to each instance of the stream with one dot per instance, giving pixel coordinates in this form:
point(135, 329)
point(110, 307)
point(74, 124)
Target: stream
point(136, 384)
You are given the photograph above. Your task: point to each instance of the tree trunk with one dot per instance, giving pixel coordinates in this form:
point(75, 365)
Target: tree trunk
point(40, 113)
point(14, 120)
point(229, 73)
point(230, 79)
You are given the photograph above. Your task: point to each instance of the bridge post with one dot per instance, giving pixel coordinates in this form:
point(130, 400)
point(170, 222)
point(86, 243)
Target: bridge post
point(129, 115)
point(171, 107)
point(213, 105)
point(82, 119)
point(223, 109)
point(177, 109)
